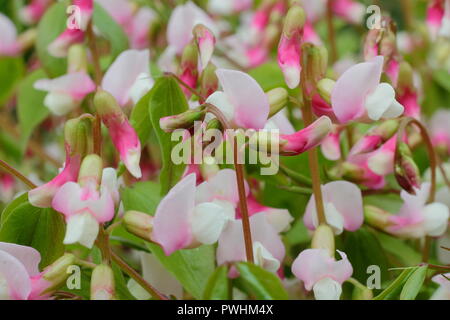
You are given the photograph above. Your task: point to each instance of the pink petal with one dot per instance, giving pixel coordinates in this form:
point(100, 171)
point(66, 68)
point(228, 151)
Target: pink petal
point(16, 276)
point(249, 100)
point(338, 193)
point(352, 87)
point(77, 85)
point(123, 73)
point(171, 227)
point(306, 138)
point(140, 28)
point(313, 265)
point(289, 51)
point(60, 46)
point(182, 21)
point(28, 256)
point(120, 10)
point(42, 196)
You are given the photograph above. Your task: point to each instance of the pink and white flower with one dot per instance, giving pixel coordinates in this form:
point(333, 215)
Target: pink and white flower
point(182, 21)
point(322, 273)
point(189, 216)
point(443, 292)
point(65, 93)
point(85, 207)
point(9, 46)
point(417, 218)
point(128, 79)
point(438, 18)
point(358, 94)
point(340, 213)
point(440, 131)
point(31, 13)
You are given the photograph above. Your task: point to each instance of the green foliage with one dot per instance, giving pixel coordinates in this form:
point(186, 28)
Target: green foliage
point(218, 287)
point(261, 283)
point(42, 229)
point(13, 70)
point(166, 99)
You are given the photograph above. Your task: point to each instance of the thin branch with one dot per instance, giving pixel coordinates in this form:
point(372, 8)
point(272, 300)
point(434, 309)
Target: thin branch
point(17, 174)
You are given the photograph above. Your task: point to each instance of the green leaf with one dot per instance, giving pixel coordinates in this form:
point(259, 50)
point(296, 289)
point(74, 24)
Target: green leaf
point(218, 285)
point(110, 30)
point(11, 69)
point(142, 196)
point(42, 229)
point(264, 285)
point(121, 285)
point(51, 25)
point(395, 286)
point(167, 99)
point(12, 206)
point(414, 283)
point(140, 119)
point(363, 250)
point(442, 77)
point(191, 267)
point(30, 106)
point(268, 75)
point(399, 249)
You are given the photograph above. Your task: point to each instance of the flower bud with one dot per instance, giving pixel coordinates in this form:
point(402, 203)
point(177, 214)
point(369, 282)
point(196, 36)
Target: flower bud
point(209, 168)
point(405, 76)
point(375, 137)
point(56, 274)
point(77, 58)
point(315, 62)
point(377, 217)
point(407, 173)
point(208, 80)
point(205, 40)
point(183, 120)
point(323, 238)
point(361, 292)
point(347, 171)
point(122, 133)
point(102, 283)
point(324, 88)
point(139, 224)
point(188, 67)
point(278, 98)
point(90, 170)
point(289, 48)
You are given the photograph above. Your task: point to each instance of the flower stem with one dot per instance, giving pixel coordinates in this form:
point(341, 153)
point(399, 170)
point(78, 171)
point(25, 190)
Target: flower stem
point(433, 165)
point(240, 183)
point(17, 174)
point(314, 163)
point(331, 32)
point(137, 277)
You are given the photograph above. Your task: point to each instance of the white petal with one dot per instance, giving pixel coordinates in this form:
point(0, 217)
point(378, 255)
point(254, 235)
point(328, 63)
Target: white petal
point(327, 289)
point(60, 104)
point(334, 218)
point(81, 228)
point(4, 288)
point(436, 219)
point(264, 258)
point(142, 85)
point(220, 100)
point(208, 221)
point(381, 163)
point(380, 101)
point(395, 110)
point(280, 219)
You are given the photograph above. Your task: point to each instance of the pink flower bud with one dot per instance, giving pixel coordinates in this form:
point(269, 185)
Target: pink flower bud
point(122, 133)
point(205, 40)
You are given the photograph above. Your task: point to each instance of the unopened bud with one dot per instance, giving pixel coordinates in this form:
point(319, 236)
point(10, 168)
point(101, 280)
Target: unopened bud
point(183, 120)
point(205, 40)
point(77, 58)
point(407, 173)
point(361, 292)
point(102, 283)
point(347, 171)
point(90, 170)
point(386, 129)
point(314, 63)
point(278, 98)
point(209, 168)
point(56, 273)
point(188, 67)
point(78, 136)
point(377, 217)
point(294, 21)
point(324, 88)
point(323, 238)
point(106, 105)
point(139, 224)
point(208, 80)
